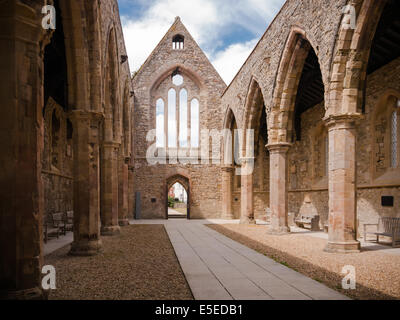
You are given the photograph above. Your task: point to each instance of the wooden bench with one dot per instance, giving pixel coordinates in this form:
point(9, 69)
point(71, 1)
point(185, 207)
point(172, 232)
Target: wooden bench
point(386, 226)
point(69, 221)
point(309, 222)
point(49, 230)
point(58, 221)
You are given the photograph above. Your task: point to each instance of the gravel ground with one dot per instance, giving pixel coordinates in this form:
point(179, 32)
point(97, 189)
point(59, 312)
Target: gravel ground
point(377, 273)
point(140, 264)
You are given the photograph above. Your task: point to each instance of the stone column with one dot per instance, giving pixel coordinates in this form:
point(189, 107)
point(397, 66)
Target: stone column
point(86, 127)
point(279, 188)
point(123, 192)
point(247, 197)
point(109, 189)
point(342, 184)
point(227, 177)
point(131, 193)
point(21, 140)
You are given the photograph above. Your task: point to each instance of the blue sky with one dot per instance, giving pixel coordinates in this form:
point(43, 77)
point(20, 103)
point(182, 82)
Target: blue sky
point(227, 31)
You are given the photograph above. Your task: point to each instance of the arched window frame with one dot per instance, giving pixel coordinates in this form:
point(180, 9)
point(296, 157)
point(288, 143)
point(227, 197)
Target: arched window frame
point(164, 95)
point(178, 42)
point(160, 130)
point(385, 161)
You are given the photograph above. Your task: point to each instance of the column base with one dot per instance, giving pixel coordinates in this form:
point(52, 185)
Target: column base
point(247, 220)
point(27, 294)
point(110, 231)
point(343, 247)
point(279, 231)
point(85, 248)
point(123, 222)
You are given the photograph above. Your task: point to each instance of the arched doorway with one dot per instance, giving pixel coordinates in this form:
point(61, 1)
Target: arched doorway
point(178, 198)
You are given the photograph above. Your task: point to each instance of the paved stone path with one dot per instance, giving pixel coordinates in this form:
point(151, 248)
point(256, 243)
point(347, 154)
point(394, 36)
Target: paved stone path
point(54, 244)
point(218, 268)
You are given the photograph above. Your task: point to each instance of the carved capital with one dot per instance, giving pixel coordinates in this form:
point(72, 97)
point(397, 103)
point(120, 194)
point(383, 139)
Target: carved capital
point(342, 121)
point(282, 147)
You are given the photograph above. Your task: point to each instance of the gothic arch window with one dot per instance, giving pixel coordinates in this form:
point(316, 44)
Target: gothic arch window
point(194, 123)
point(183, 118)
point(172, 134)
point(58, 136)
point(55, 140)
point(177, 80)
point(177, 113)
point(178, 42)
point(160, 116)
point(394, 140)
point(386, 137)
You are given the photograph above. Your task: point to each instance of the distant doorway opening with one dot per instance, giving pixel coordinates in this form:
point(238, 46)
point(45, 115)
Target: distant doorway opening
point(178, 202)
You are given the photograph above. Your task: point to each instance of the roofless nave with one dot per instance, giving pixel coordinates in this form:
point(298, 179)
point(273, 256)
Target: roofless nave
point(321, 97)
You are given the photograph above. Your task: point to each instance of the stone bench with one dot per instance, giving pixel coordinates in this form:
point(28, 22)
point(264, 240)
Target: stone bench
point(50, 227)
point(308, 222)
point(386, 226)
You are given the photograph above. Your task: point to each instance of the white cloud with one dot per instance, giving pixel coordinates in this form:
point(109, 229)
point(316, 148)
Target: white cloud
point(209, 21)
point(229, 61)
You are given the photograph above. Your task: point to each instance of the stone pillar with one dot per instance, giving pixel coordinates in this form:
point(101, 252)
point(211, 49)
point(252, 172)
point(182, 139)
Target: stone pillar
point(21, 140)
point(342, 184)
point(123, 192)
point(86, 127)
point(279, 188)
point(109, 189)
point(227, 177)
point(131, 193)
point(247, 197)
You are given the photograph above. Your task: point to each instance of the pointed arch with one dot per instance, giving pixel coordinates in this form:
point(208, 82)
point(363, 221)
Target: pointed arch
point(228, 146)
point(126, 120)
point(181, 178)
point(73, 13)
point(281, 115)
point(350, 60)
point(170, 69)
point(111, 89)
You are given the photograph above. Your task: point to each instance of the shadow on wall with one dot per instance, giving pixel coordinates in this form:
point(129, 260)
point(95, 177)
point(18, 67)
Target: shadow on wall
point(370, 208)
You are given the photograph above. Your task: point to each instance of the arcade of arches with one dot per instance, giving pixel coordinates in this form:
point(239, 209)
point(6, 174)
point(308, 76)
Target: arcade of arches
point(79, 134)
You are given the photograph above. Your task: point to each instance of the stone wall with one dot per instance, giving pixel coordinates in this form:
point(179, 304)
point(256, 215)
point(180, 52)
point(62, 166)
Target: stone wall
point(373, 173)
point(152, 82)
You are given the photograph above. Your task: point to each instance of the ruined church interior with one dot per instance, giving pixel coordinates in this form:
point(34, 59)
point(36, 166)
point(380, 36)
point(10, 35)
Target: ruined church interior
point(166, 183)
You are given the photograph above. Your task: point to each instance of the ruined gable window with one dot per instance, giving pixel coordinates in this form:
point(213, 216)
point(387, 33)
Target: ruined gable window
point(160, 123)
point(172, 127)
point(177, 80)
point(183, 119)
point(177, 122)
point(178, 42)
point(194, 123)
